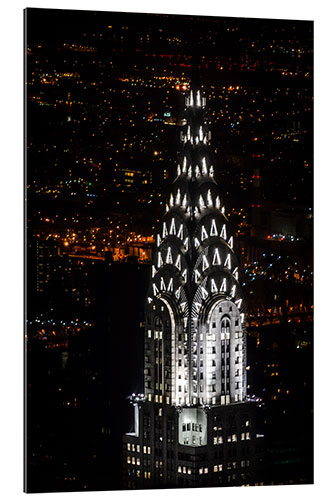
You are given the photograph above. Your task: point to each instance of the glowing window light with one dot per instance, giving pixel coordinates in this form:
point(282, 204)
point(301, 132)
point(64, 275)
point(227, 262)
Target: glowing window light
point(162, 284)
point(235, 273)
point(172, 227)
point(204, 166)
point(200, 133)
point(178, 170)
point(196, 243)
point(150, 300)
point(189, 173)
point(188, 132)
point(170, 285)
point(191, 98)
point(201, 202)
point(213, 287)
point(182, 306)
point(159, 260)
point(180, 233)
point(171, 200)
point(204, 234)
point(169, 256)
point(158, 240)
point(184, 164)
point(198, 98)
point(197, 171)
point(233, 291)
point(165, 230)
point(228, 262)
point(242, 316)
point(223, 210)
point(153, 271)
point(184, 201)
point(167, 208)
point(223, 232)
point(197, 276)
point(178, 197)
point(178, 262)
point(155, 289)
point(231, 242)
point(205, 263)
point(223, 287)
point(211, 171)
point(218, 202)
point(213, 228)
point(216, 258)
point(238, 303)
point(209, 198)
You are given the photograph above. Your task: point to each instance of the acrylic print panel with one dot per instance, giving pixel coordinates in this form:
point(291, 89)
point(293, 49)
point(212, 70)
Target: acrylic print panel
point(169, 239)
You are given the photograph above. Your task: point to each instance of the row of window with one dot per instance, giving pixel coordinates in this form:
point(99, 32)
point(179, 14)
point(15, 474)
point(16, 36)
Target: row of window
point(137, 473)
point(136, 448)
point(194, 441)
point(194, 427)
point(225, 335)
point(133, 460)
point(232, 438)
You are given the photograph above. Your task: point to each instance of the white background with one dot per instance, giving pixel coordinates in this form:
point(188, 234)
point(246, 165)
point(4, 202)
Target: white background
point(11, 236)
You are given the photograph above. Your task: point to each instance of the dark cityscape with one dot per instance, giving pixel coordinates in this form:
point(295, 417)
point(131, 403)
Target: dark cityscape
point(105, 112)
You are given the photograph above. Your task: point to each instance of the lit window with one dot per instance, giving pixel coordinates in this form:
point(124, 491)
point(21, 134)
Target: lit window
point(206, 470)
point(128, 446)
point(128, 460)
point(201, 471)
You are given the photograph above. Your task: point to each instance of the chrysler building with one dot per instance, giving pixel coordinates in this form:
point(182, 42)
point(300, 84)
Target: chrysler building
point(194, 425)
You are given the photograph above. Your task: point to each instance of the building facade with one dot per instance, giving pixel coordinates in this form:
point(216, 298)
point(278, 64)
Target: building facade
point(194, 425)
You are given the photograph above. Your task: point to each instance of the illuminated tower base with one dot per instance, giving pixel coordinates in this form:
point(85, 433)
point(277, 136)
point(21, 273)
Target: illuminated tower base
point(191, 447)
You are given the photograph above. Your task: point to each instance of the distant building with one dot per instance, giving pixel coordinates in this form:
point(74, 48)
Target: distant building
point(194, 425)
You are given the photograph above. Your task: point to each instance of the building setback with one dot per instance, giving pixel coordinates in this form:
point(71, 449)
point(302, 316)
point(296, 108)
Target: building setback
point(194, 425)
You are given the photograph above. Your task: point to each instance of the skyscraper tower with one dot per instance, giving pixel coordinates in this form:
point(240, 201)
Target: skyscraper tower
point(194, 425)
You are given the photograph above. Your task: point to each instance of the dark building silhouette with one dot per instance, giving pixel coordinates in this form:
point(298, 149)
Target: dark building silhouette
point(194, 425)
